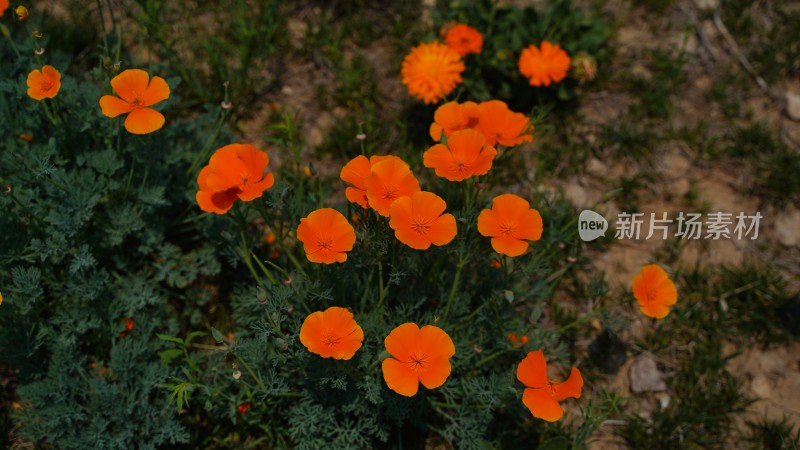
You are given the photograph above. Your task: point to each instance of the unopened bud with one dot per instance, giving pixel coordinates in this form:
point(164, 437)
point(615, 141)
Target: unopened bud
point(39, 51)
point(237, 374)
point(584, 67)
point(26, 137)
point(22, 13)
point(360, 137)
point(7, 189)
point(36, 34)
point(226, 104)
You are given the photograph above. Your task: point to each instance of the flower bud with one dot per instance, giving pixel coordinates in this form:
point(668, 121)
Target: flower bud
point(584, 67)
point(22, 13)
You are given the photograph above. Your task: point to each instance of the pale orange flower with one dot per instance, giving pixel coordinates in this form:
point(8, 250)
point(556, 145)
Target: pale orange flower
point(542, 394)
point(510, 223)
point(545, 64)
point(389, 180)
point(418, 221)
point(419, 355)
point(356, 172)
point(43, 83)
point(654, 291)
point(332, 333)
point(137, 92)
point(464, 39)
point(502, 126)
point(464, 156)
point(326, 235)
point(453, 116)
point(431, 71)
point(235, 171)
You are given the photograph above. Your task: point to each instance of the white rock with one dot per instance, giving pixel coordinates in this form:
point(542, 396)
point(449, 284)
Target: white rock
point(787, 228)
point(644, 375)
point(793, 106)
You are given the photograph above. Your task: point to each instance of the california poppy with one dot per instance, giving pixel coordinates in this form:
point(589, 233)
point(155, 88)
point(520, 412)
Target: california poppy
point(542, 394)
point(356, 172)
point(243, 408)
point(1, 298)
point(464, 39)
point(464, 156)
point(419, 355)
point(235, 171)
point(326, 235)
point(510, 223)
point(389, 180)
point(545, 64)
point(453, 116)
point(502, 126)
point(431, 71)
point(3, 7)
point(137, 92)
point(44, 83)
point(654, 291)
point(332, 333)
point(418, 221)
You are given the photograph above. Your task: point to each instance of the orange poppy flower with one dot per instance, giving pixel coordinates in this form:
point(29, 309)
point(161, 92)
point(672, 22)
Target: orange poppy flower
point(464, 156)
point(389, 180)
point(1, 298)
point(235, 171)
point(356, 172)
point(542, 394)
point(137, 92)
point(418, 221)
point(332, 333)
point(453, 116)
point(431, 71)
point(510, 223)
point(326, 236)
point(545, 64)
point(243, 408)
point(3, 7)
point(419, 355)
point(502, 126)
point(654, 291)
point(464, 39)
point(43, 83)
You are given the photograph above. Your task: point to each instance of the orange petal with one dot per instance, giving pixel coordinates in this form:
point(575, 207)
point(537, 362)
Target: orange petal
point(441, 159)
point(131, 85)
point(510, 207)
point(253, 191)
point(443, 230)
point(435, 372)
point(340, 321)
point(570, 388)
point(529, 226)
point(401, 220)
point(312, 334)
point(654, 310)
point(215, 202)
point(114, 106)
point(402, 341)
point(356, 171)
point(436, 131)
point(358, 196)
point(157, 91)
point(466, 144)
point(542, 405)
point(507, 245)
point(532, 371)
point(435, 342)
point(143, 121)
point(489, 224)
point(400, 377)
point(484, 161)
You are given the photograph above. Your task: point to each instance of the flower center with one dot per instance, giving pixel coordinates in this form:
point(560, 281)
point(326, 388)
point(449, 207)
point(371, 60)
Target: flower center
point(507, 229)
point(46, 85)
point(390, 193)
point(325, 243)
point(330, 339)
point(418, 361)
point(420, 226)
point(652, 294)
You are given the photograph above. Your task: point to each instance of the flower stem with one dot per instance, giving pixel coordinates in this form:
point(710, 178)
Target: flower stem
point(461, 262)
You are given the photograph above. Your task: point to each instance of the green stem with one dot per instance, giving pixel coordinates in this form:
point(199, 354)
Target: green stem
point(366, 289)
point(263, 268)
point(252, 374)
point(7, 34)
point(461, 262)
point(204, 152)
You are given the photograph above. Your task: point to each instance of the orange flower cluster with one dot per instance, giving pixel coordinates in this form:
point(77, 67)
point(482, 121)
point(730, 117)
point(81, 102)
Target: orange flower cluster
point(464, 39)
point(654, 291)
point(545, 64)
point(510, 223)
point(137, 93)
point(431, 71)
point(493, 119)
point(326, 235)
point(235, 171)
point(418, 355)
point(43, 83)
point(542, 394)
